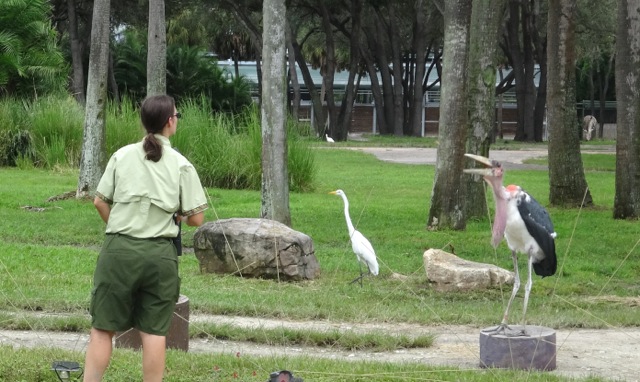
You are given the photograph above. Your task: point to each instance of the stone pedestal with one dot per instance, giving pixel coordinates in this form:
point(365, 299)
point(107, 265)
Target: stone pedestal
point(534, 351)
point(177, 338)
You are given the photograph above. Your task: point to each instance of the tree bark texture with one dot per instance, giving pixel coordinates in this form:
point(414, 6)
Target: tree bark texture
point(568, 185)
point(275, 179)
point(77, 83)
point(93, 141)
point(447, 198)
point(486, 24)
point(157, 49)
point(627, 195)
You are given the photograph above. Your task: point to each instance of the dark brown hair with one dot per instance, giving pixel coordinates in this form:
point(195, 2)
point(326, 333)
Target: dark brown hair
point(154, 114)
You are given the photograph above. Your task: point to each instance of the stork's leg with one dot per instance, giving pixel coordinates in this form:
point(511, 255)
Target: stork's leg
point(516, 285)
point(527, 290)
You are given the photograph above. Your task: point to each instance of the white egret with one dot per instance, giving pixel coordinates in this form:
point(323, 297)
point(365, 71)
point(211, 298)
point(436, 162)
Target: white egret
point(360, 245)
point(328, 138)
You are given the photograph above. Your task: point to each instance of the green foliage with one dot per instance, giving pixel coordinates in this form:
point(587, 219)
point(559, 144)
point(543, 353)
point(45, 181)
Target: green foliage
point(14, 145)
point(28, 365)
point(225, 148)
point(46, 132)
point(190, 74)
point(31, 64)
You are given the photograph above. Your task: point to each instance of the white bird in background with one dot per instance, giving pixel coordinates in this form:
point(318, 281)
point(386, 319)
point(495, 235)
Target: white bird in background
point(360, 245)
point(328, 138)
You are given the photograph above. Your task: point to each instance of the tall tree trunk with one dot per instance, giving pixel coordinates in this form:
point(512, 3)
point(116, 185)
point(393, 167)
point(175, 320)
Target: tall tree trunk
point(376, 91)
point(568, 185)
point(93, 140)
point(293, 76)
point(329, 72)
point(275, 178)
point(519, 49)
point(416, 107)
point(604, 89)
point(77, 83)
point(157, 49)
point(377, 40)
point(486, 24)
point(627, 194)
point(539, 42)
point(346, 108)
point(447, 199)
point(316, 102)
point(376, 58)
point(396, 60)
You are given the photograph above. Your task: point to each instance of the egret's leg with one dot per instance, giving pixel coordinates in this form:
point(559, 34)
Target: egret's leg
point(527, 290)
point(516, 285)
point(359, 278)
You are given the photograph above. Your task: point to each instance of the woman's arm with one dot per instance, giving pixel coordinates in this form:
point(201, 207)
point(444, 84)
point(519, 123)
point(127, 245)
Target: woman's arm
point(194, 220)
point(104, 209)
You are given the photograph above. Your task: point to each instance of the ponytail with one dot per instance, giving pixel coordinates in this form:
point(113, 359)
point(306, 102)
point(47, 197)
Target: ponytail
point(152, 147)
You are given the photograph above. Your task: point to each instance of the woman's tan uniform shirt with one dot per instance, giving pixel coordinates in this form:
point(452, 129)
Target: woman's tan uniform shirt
point(144, 194)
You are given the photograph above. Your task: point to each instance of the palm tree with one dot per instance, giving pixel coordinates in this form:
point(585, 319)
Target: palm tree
point(30, 60)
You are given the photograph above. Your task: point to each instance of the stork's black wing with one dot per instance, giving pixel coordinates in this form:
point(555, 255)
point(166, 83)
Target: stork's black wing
point(539, 225)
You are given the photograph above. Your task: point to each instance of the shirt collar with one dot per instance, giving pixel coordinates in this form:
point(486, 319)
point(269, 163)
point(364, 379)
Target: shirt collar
point(162, 139)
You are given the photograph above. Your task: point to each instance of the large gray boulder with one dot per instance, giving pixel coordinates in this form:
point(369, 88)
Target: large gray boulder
point(448, 272)
point(255, 248)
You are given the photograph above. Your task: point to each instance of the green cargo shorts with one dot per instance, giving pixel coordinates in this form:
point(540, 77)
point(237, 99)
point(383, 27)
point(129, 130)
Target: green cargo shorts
point(136, 284)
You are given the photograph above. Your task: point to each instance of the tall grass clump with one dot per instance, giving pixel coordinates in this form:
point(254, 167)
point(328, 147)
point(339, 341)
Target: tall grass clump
point(123, 125)
point(57, 128)
point(226, 149)
point(45, 132)
point(15, 138)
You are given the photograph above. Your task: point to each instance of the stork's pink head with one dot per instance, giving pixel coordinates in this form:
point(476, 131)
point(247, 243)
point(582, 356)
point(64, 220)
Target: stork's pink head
point(512, 189)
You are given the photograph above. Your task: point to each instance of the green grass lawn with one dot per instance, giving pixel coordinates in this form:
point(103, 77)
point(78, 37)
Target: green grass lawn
point(47, 259)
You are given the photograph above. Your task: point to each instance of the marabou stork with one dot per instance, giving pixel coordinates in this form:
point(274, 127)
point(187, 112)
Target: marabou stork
point(360, 245)
point(526, 226)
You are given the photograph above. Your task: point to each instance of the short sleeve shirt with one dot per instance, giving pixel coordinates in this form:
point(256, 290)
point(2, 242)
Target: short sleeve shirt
point(144, 195)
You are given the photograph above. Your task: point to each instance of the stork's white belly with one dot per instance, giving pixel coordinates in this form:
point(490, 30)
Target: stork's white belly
point(517, 236)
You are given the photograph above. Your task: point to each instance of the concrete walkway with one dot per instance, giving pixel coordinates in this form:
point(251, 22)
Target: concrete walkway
point(510, 158)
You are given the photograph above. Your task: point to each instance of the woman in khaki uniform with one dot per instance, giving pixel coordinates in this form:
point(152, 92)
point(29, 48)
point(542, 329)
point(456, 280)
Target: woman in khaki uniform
point(136, 282)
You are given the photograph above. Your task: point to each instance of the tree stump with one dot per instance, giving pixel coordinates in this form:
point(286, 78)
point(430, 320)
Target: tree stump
point(177, 338)
point(534, 351)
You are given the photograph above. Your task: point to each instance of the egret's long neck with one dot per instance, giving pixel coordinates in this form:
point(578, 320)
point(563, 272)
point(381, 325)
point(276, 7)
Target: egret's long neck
point(347, 216)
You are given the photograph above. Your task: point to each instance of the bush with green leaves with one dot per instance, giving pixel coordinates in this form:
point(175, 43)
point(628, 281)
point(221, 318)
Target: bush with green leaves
point(190, 74)
point(31, 63)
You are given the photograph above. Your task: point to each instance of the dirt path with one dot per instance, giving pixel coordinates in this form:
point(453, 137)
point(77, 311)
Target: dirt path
point(613, 354)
